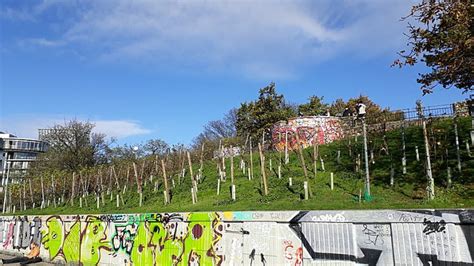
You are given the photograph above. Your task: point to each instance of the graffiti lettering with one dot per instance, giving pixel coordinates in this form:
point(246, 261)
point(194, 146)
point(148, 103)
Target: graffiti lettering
point(433, 227)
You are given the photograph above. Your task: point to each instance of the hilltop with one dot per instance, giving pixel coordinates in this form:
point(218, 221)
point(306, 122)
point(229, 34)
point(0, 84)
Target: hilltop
point(408, 190)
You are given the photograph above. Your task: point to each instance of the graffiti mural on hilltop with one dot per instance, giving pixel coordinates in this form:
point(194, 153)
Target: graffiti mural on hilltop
point(323, 129)
point(294, 238)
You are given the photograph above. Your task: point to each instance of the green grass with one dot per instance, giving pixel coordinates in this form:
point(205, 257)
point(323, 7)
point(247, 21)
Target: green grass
point(408, 191)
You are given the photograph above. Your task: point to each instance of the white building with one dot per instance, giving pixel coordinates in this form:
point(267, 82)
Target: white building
point(16, 154)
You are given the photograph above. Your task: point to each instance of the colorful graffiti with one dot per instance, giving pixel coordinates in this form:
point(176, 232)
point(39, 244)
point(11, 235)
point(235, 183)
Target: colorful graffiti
point(247, 238)
point(322, 129)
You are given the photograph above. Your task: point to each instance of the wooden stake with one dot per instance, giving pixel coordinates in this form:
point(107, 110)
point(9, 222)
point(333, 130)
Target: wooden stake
point(135, 171)
point(300, 153)
point(290, 181)
point(233, 192)
point(72, 188)
point(42, 193)
point(165, 179)
point(429, 173)
point(218, 186)
point(392, 175)
point(31, 194)
point(193, 196)
point(262, 169)
point(404, 157)
point(116, 179)
point(279, 171)
point(332, 181)
point(417, 154)
point(458, 154)
point(231, 165)
point(53, 190)
point(315, 155)
point(287, 158)
point(305, 185)
point(201, 159)
point(449, 177)
point(190, 167)
point(251, 159)
point(24, 196)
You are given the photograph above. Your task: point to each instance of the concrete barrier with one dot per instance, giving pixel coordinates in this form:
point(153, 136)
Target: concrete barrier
point(381, 237)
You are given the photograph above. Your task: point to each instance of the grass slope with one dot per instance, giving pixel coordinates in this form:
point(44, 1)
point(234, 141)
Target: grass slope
point(408, 191)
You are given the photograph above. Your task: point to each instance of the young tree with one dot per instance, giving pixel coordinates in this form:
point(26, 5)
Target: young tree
point(442, 38)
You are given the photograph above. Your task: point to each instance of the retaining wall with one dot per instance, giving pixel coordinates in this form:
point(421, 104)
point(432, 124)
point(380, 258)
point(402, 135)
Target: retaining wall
point(310, 129)
point(384, 237)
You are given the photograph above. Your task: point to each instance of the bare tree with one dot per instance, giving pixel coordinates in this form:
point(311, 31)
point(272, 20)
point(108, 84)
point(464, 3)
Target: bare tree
point(156, 147)
point(73, 146)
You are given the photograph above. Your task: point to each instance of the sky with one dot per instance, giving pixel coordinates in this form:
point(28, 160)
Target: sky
point(148, 69)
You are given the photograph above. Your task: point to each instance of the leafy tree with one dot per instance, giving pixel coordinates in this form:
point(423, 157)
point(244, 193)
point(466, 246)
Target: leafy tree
point(442, 38)
point(73, 146)
point(337, 107)
point(315, 106)
point(255, 118)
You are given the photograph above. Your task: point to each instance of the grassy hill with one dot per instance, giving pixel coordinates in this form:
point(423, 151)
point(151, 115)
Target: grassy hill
point(408, 190)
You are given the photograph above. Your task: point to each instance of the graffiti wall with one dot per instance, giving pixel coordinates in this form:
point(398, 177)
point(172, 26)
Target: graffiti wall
point(323, 129)
point(421, 237)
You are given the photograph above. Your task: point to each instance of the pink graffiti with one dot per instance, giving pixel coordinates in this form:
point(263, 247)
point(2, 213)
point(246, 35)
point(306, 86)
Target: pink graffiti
point(9, 237)
point(294, 257)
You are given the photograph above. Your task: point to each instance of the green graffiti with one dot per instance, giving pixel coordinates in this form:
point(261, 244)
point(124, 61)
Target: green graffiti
point(148, 239)
point(53, 237)
point(93, 240)
point(72, 243)
point(76, 245)
point(199, 234)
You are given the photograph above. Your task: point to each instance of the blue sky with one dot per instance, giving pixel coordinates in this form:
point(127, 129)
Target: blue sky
point(162, 69)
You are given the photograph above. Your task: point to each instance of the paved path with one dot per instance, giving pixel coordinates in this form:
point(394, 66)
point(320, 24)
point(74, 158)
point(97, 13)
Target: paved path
point(5, 256)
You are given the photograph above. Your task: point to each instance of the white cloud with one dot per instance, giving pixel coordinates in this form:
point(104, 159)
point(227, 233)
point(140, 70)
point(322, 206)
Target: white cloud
point(120, 128)
point(27, 126)
point(256, 38)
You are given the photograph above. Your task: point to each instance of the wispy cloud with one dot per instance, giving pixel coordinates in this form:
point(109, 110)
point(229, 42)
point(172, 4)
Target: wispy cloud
point(120, 128)
point(257, 38)
point(28, 125)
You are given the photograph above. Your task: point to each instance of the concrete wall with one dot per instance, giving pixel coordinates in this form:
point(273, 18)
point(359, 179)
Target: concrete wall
point(421, 237)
